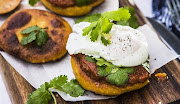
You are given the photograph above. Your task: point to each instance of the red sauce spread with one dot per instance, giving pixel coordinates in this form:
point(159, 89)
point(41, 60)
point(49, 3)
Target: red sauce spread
point(139, 75)
point(65, 3)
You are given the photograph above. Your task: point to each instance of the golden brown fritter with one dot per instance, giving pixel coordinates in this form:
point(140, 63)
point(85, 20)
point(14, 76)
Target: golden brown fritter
point(63, 3)
point(86, 74)
point(8, 5)
point(72, 10)
point(58, 31)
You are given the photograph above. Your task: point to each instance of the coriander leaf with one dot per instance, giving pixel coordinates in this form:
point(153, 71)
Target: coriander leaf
point(133, 22)
point(103, 24)
point(120, 14)
point(131, 10)
point(114, 69)
point(33, 2)
point(106, 25)
point(120, 77)
point(128, 69)
point(29, 38)
point(101, 71)
point(58, 82)
point(29, 95)
point(73, 88)
point(106, 70)
point(41, 38)
point(90, 59)
point(123, 22)
point(35, 33)
point(95, 33)
point(89, 28)
point(115, 74)
point(105, 41)
point(102, 62)
point(30, 29)
point(89, 18)
point(40, 96)
point(43, 94)
point(82, 2)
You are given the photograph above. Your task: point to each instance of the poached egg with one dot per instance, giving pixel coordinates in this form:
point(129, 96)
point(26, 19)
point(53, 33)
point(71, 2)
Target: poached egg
point(128, 46)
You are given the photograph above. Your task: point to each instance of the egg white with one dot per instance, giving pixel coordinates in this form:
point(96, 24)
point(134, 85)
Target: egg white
point(128, 46)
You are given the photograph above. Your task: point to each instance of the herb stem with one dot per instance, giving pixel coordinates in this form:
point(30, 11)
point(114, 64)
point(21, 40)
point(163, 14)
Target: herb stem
point(55, 102)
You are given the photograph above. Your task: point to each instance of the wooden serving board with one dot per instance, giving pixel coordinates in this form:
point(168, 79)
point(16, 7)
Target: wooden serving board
point(153, 93)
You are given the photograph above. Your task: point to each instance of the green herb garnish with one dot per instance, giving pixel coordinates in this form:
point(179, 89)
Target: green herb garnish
point(120, 14)
point(117, 75)
point(29, 39)
point(43, 94)
point(120, 77)
point(35, 33)
point(89, 18)
point(82, 2)
point(101, 24)
point(33, 2)
point(90, 59)
point(132, 22)
point(100, 27)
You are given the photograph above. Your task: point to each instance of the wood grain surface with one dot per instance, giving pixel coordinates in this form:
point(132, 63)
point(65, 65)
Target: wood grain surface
point(153, 93)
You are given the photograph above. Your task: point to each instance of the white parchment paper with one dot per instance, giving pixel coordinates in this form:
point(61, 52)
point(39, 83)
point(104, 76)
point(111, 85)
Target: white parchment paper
point(37, 74)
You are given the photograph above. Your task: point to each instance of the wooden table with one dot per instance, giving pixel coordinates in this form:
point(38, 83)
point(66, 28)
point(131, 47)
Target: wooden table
point(165, 92)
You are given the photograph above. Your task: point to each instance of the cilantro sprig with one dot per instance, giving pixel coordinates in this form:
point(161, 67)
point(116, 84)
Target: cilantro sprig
point(35, 33)
point(82, 2)
point(89, 18)
point(43, 94)
point(120, 77)
point(101, 24)
point(117, 75)
point(33, 2)
point(132, 22)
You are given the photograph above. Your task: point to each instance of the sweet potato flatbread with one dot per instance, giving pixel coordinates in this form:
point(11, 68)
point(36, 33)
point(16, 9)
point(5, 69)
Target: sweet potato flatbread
point(90, 80)
point(8, 5)
point(69, 7)
point(58, 31)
